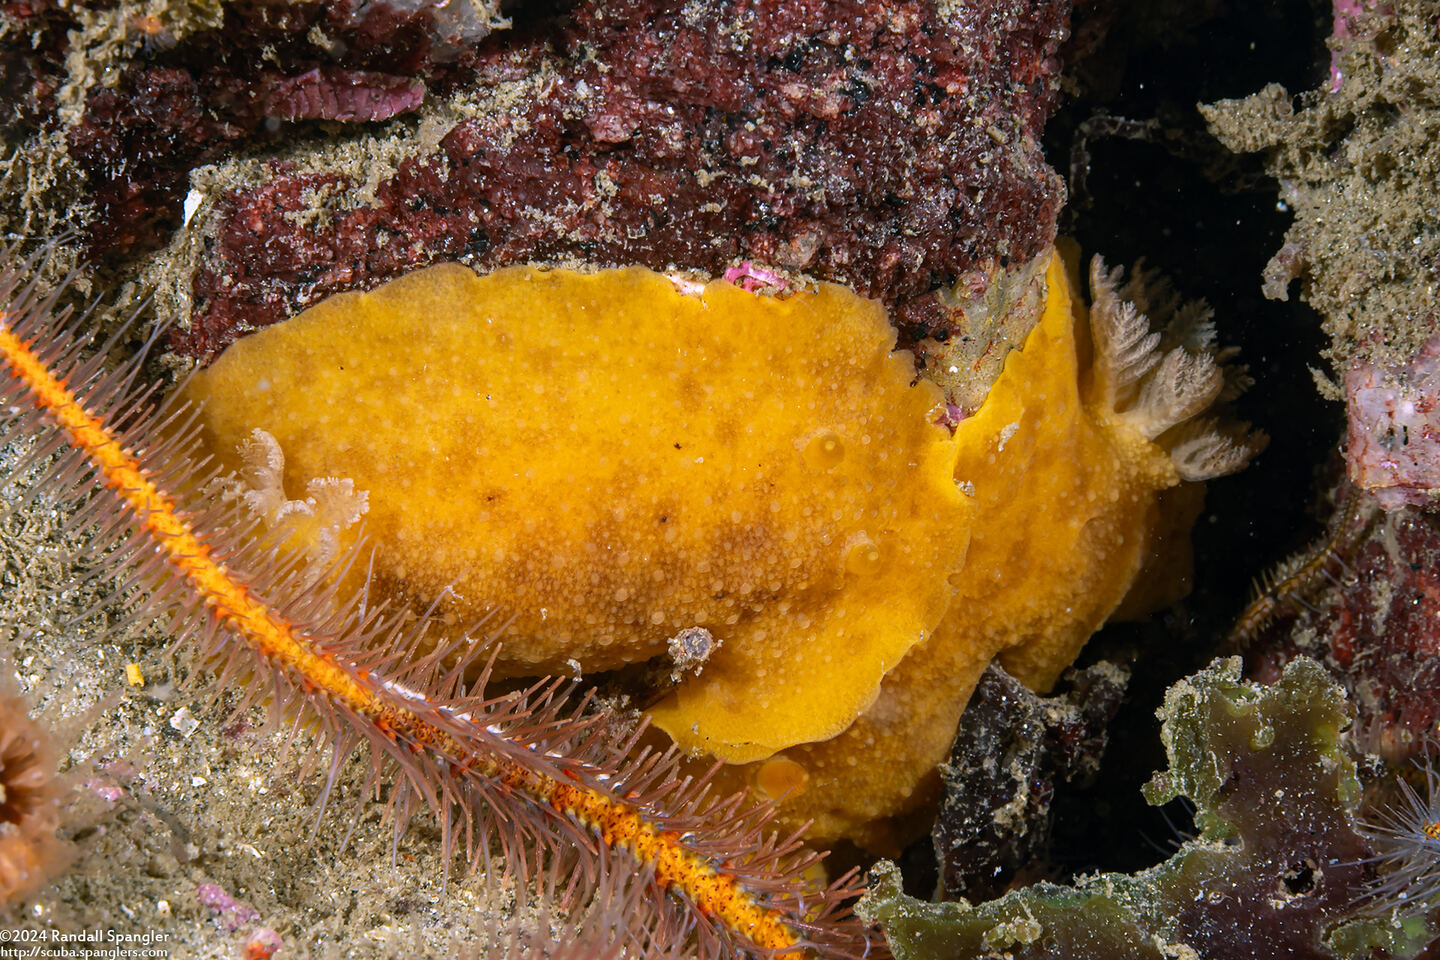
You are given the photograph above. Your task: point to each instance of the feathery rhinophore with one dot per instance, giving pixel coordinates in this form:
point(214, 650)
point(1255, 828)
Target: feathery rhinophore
point(520, 782)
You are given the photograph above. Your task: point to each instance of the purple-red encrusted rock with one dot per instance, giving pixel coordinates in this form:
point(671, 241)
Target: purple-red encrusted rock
point(156, 127)
point(871, 144)
point(345, 95)
point(32, 55)
point(890, 145)
point(167, 88)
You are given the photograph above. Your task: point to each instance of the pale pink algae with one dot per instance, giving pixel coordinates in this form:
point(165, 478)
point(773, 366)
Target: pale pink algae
point(234, 914)
point(750, 276)
point(1394, 414)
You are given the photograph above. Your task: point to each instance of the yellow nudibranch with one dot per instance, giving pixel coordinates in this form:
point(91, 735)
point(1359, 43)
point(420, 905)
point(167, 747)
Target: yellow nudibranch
point(628, 470)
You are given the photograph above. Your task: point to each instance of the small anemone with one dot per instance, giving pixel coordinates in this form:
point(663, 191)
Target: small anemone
point(30, 794)
point(1161, 370)
point(1405, 838)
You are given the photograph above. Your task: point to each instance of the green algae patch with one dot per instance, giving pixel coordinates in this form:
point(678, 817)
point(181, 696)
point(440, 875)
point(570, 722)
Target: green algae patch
point(1274, 872)
point(1056, 922)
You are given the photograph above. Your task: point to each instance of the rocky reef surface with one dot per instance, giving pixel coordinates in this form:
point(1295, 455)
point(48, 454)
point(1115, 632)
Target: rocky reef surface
point(236, 162)
point(891, 147)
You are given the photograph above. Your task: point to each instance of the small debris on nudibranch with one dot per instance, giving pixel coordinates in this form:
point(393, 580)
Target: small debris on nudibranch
point(689, 649)
point(750, 276)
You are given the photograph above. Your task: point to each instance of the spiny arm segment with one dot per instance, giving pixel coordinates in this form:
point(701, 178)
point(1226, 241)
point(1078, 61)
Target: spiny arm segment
point(1286, 590)
point(456, 751)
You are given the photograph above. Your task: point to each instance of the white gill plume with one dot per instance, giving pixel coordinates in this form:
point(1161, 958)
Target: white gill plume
point(1160, 370)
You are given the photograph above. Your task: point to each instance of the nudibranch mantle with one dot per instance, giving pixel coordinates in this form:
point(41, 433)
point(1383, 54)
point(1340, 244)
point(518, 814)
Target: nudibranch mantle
point(613, 462)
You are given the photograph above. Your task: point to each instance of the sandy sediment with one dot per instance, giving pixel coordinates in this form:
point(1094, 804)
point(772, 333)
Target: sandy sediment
point(179, 807)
